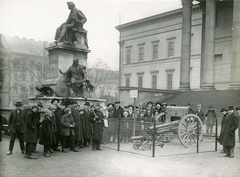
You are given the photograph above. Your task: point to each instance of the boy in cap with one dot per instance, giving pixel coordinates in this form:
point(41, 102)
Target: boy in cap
point(211, 116)
point(230, 126)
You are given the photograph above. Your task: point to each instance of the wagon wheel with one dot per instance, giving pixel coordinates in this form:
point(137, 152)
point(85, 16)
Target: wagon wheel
point(136, 144)
point(146, 146)
point(187, 130)
point(165, 137)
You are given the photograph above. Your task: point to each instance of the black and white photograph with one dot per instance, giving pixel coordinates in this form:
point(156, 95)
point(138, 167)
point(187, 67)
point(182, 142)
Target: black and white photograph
point(125, 88)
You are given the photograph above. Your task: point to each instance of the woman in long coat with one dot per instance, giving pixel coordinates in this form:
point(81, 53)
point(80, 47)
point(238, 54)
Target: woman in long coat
point(30, 131)
point(230, 126)
point(47, 133)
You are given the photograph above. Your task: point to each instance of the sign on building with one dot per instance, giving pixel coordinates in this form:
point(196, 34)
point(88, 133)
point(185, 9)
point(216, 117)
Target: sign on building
point(133, 93)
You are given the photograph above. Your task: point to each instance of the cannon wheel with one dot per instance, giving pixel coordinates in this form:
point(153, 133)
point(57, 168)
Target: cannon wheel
point(136, 144)
point(165, 137)
point(187, 130)
point(146, 146)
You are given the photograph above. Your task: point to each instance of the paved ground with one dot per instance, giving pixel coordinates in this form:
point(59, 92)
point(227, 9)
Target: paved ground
point(109, 162)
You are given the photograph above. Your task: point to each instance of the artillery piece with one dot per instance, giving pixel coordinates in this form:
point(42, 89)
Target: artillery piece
point(188, 127)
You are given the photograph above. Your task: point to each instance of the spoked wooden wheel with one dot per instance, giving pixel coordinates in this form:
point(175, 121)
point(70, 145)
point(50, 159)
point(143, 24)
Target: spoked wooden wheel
point(136, 144)
point(188, 128)
point(146, 146)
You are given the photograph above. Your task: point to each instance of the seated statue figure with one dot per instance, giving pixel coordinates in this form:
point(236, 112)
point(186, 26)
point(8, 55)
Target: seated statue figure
point(75, 76)
point(72, 32)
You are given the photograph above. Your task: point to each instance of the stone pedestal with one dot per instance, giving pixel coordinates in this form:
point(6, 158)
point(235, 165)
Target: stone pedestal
point(61, 57)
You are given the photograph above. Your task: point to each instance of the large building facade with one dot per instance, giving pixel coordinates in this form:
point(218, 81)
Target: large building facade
point(192, 48)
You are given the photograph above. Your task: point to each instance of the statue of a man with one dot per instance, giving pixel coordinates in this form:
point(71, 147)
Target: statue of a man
point(75, 18)
point(75, 76)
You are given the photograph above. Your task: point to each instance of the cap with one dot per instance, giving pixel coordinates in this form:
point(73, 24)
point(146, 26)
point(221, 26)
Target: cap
point(223, 109)
point(230, 108)
point(55, 99)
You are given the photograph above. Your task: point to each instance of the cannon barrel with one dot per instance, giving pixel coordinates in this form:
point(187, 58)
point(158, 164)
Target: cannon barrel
point(173, 123)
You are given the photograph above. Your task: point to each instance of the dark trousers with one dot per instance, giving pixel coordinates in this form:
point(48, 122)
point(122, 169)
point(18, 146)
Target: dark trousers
point(29, 148)
point(15, 135)
point(87, 141)
point(71, 140)
point(46, 148)
point(96, 144)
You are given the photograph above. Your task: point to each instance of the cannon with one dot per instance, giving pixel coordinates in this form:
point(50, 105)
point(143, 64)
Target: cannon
point(177, 122)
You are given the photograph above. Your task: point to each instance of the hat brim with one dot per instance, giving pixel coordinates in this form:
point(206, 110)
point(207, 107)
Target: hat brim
point(55, 99)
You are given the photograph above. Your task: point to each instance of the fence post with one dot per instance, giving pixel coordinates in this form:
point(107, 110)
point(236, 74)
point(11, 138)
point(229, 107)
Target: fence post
point(118, 147)
point(216, 133)
point(197, 137)
point(153, 136)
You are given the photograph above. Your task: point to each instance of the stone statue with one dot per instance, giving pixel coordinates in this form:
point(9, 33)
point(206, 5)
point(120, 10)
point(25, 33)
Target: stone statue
point(44, 91)
point(72, 32)
point(75, 78)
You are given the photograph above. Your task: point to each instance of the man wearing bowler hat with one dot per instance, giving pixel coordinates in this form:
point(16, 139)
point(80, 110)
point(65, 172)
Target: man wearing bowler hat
point(88, 130)
point(58, 113)
point(224, 111)
point(16, 125)
point(230, 126)
point(118, 110)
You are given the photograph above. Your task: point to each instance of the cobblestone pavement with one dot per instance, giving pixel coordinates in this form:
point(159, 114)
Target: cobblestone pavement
point(110, 162)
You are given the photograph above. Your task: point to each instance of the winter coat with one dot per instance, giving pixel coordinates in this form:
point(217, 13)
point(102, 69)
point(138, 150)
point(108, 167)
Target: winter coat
point(211, 117)
point(200, 114)
point(118, 112)
point(97, 124)
point(230, 125)
point(30, 130)
point(66, 120)
point(88, 114)
point(78, 129)
point(46, 132)
point(58, 115)
point(223, 131)
point(12, 121)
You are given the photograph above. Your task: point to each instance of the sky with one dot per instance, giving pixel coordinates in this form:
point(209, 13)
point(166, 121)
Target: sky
point(39, 19)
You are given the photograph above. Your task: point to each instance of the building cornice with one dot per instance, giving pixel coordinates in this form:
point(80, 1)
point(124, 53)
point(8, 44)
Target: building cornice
point(158, 17)
point(147, 89)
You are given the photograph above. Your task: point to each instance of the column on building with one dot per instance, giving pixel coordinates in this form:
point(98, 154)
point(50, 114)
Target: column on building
point(209, 52)
point(186, 45)
point(121, 51)
point(235, 63)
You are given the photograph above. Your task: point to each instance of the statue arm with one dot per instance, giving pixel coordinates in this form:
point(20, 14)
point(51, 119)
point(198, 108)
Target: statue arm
point(82, 18)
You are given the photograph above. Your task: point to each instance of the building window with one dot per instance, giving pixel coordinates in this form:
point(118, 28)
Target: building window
point(155, 51)
point(15, 76)
point(127, 81)
point(116, 94)
point(170, 49)
point(141, 54)
point(23, 76)
point(128, 56)
point(154, 81)
point(140, 81)
point(169, 81)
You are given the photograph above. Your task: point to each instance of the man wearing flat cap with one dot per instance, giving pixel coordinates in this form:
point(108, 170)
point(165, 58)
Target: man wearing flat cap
point(211, 117)
point(16, 125)
point(118, 110)
point(230, 126)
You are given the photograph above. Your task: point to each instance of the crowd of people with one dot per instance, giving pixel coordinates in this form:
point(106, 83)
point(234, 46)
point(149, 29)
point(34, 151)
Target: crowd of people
point(75, 127)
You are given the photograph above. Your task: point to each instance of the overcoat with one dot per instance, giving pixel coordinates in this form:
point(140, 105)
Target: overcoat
point(211, 117)
point(97, 125)
point(12, 121)
point(230, 125)
point(88, 125)
point(223, 131)
point(58, 115)
point(118, 112)
point(78, 130)
point(46, 132)
point(30, 130)
point(66, 120)
point(200, 114)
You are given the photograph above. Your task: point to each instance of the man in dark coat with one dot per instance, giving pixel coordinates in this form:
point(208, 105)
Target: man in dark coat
point(58, 113)
point(79, 127)
point(16, 125)
point(46, 133)
point(97, 123)
point(230, 126)
point(224, 111)
point(88, 125)
point(30, 131)
point(200, 113)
